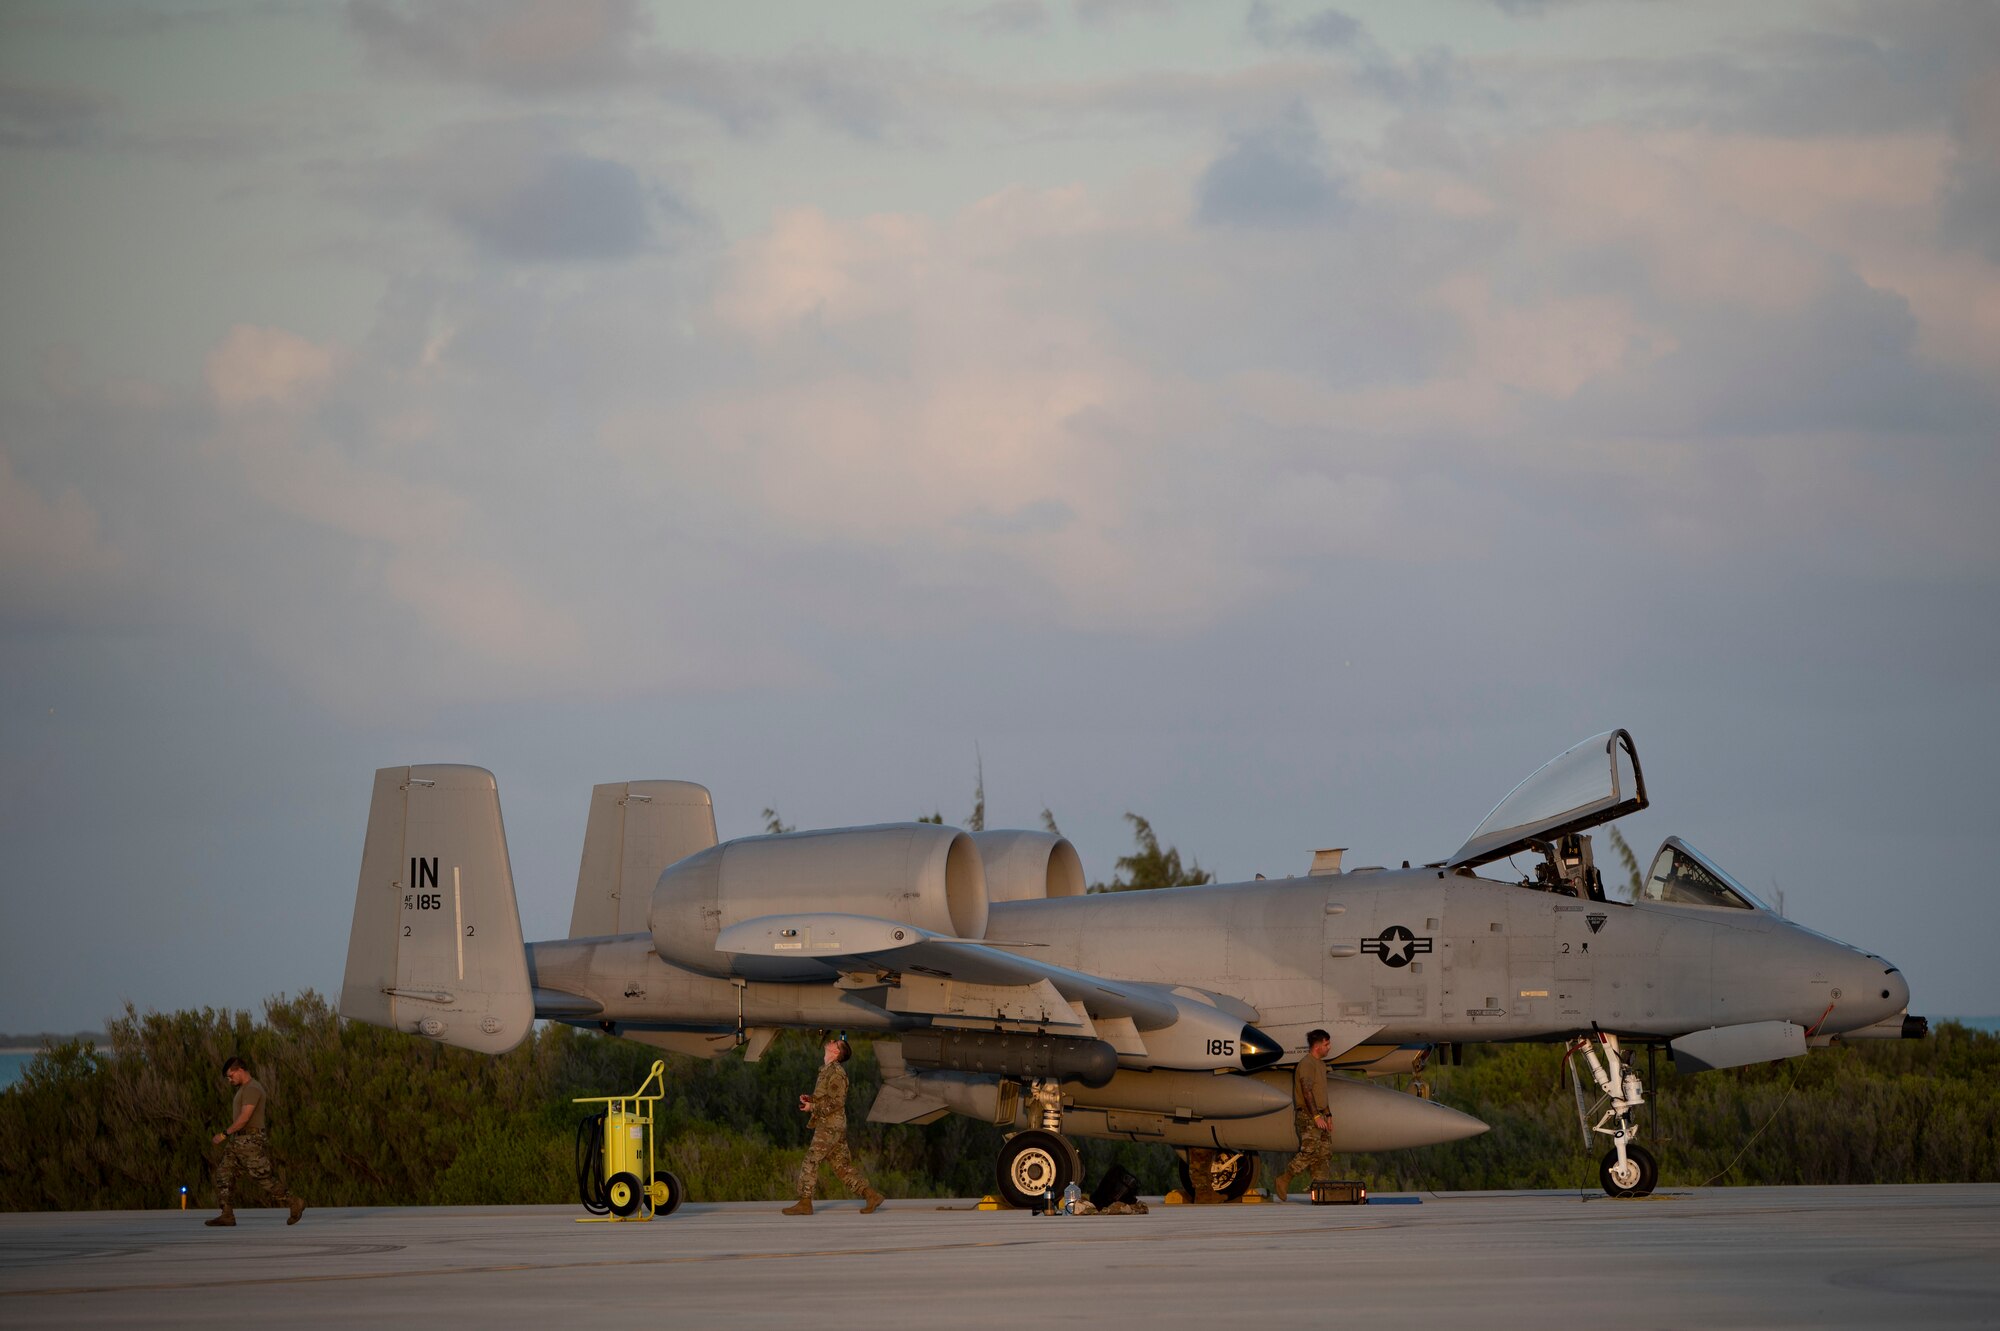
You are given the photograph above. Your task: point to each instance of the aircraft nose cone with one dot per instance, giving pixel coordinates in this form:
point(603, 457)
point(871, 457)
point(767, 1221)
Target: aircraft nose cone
point(1874, 991)
point(1258, 1050)
point(1895, 991)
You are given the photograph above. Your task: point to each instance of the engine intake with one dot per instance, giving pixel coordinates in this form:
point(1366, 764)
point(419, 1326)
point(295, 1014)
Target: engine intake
point(917, 873)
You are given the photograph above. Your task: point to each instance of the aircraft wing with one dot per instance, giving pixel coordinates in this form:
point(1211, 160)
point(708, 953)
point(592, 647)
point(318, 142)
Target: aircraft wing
point(858, 942)
point(971, 984)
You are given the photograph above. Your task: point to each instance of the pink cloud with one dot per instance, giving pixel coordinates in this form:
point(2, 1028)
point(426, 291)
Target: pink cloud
point(53, 555)
point(254, 366)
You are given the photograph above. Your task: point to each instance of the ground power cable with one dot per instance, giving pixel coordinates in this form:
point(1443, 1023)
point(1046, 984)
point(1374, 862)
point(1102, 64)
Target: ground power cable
point(1791, 1084)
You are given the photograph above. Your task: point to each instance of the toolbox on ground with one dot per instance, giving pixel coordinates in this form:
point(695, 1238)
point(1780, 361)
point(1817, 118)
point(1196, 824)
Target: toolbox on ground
point(1338, 1192)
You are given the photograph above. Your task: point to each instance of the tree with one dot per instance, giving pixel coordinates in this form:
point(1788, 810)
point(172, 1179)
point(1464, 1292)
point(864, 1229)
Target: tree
point(775, 825)
point(1149, 866)
point(1631, 862)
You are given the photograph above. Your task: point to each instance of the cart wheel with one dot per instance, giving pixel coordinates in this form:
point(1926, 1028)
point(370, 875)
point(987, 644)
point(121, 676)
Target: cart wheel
point(623, 1192)
point(666, 1194)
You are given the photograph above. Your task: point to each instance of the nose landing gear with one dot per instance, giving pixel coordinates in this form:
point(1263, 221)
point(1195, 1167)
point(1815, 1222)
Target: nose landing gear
point(1634, 1176)
point(1627, 1169)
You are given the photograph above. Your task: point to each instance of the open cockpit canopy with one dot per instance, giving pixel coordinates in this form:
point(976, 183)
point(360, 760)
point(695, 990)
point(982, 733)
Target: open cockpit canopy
point(1682, 876)
point(1591, 783)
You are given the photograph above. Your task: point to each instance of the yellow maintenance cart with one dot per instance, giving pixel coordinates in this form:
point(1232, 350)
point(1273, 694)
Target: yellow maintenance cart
point(614, 1156)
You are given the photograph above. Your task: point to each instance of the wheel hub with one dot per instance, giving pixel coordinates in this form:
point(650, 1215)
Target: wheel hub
point(1034, 1171)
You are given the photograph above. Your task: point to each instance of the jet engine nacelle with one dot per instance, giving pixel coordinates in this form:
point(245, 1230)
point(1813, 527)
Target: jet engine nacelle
point(1028, 866)
point(917, 873)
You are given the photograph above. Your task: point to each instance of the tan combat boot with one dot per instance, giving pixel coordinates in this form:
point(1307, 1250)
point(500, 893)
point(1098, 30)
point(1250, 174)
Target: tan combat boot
point(298, 1208)
point(875, 1199)
point(1281, 1186)
point(228, 1217)
point(804, 1206)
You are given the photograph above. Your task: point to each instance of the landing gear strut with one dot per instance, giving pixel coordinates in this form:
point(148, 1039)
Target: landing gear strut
point(1628, 1169)
point(1041, 1161)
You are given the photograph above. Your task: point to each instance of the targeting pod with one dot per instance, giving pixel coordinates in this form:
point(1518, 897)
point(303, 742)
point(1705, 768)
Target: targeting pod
point(1008, 1054)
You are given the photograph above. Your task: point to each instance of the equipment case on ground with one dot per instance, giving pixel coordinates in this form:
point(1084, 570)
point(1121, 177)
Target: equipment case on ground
point(1337, 1192)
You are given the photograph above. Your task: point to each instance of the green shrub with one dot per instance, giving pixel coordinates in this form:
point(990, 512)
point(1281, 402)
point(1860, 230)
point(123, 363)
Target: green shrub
point(368, 1117)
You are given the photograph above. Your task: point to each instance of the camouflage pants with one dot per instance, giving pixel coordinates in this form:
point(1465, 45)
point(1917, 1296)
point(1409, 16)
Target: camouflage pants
point(1201, 1173)
point(829, 1145)
point(246, 1172)
point(1315, 1155)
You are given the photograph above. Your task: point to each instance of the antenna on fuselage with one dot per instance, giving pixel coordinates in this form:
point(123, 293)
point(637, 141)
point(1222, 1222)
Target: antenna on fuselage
point(1326, 862)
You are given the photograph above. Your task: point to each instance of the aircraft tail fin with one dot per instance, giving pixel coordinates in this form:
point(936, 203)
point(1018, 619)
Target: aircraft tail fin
point(436, 945)
point(636, 829)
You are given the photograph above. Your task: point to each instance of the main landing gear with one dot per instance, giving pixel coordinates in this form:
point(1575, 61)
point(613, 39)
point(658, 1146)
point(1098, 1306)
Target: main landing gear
point(1628, 1169)
point(1228, 1174)
point(1040, 1162)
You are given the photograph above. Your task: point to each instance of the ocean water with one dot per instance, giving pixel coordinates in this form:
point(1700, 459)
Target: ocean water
point(11, 1068)
point(13, 1063)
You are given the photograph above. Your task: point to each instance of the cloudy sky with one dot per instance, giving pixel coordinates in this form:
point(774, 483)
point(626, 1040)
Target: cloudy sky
point(1293, 424)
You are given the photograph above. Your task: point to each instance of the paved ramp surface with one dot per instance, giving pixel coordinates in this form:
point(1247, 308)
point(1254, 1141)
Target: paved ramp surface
point(1726, 1257)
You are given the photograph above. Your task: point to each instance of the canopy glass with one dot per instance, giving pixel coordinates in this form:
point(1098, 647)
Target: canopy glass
point(1683, 876)
point(1587, 784)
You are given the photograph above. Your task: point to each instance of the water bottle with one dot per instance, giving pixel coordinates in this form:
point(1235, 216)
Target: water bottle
point(1048, 1201)
point(1071, 1195)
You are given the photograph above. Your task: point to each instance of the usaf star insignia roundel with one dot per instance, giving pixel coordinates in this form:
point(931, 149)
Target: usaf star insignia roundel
point(1396, 946)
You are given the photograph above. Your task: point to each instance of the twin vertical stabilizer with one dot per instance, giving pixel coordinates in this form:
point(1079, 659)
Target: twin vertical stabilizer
point(436, 946)
point(636, 829)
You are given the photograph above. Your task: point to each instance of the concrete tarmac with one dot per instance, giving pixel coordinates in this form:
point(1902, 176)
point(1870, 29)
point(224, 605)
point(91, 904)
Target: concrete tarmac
point(1720, 1257)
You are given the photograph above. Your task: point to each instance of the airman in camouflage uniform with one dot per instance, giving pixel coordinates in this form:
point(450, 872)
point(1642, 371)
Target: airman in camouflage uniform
point(1310, 1116)
point(828, 1106)
point(246, 1151)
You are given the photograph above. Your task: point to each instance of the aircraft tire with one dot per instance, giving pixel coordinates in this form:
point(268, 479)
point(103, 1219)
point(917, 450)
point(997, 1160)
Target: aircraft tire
point(1650, 1168)
point(1646, 1173)
point(666, 1194)
point(1243, 1177)
point(624, 1192)
point(1034, 1162)
point(1234, 1185)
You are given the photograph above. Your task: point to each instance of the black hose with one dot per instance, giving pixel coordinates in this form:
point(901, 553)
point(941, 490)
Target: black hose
point(590, 1165)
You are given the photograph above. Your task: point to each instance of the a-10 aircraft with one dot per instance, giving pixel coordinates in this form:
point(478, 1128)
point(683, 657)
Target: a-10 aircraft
point(1013, 996)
